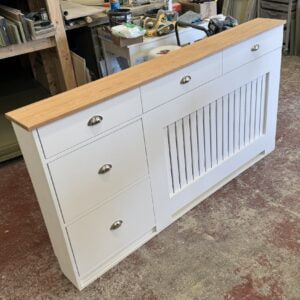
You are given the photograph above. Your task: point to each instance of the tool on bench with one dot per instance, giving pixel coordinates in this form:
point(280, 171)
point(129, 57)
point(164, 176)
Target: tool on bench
point(215, 25)
point(163, 24)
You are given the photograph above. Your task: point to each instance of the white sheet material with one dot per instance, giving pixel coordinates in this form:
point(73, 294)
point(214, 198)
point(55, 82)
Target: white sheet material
point(74, 10)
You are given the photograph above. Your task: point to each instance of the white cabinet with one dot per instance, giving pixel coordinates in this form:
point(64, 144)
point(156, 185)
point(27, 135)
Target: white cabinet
point(95, 172)
point(180, 82)
point(88, 123)
point(154, 152)
point(107, 230)
point(197, 141)
point(251, 49)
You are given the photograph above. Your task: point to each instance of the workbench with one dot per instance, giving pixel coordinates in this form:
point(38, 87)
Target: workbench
point(138, 53)
point(116, 161)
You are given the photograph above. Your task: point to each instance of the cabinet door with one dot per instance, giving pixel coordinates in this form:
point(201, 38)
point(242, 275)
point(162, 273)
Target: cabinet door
point(201, 139)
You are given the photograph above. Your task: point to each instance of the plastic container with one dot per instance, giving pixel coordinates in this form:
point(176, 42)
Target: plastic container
point(119, 16)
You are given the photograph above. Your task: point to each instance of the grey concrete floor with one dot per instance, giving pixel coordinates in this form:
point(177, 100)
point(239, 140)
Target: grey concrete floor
point(243, 242)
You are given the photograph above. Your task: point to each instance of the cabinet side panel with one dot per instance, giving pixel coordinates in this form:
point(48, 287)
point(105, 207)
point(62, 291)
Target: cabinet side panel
point(50, 211)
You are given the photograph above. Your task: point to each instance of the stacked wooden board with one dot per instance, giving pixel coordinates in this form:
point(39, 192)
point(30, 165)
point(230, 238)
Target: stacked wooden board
point(283, 10)
point(16, 28)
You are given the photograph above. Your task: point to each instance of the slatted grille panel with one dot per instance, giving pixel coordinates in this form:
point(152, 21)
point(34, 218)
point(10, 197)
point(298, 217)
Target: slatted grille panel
point(205, 138)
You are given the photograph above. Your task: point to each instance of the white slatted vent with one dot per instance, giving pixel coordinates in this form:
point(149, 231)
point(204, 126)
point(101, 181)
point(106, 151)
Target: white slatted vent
point(205, 138)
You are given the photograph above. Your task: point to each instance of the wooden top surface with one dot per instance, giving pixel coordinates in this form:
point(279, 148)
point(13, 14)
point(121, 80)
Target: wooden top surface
point(45, 111)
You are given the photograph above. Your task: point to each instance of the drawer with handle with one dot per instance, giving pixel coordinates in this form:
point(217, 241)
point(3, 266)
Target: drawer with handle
point(104, 232)
point(178, 83)
point(69, 131)
point(92, 174)
point(251, 49)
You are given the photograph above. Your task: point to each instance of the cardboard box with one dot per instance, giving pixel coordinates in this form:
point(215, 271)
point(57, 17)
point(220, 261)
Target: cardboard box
point(123, 42)
point(119, 41)
point(206, 9)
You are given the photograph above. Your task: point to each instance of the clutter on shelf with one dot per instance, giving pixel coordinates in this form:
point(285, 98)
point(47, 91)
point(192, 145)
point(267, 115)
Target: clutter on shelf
point(17, 27)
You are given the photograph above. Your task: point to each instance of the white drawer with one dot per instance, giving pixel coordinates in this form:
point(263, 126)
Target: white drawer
point(76, 178)
point(171, 86)
point(249, 50)
point(74, 129)
point(94, 241)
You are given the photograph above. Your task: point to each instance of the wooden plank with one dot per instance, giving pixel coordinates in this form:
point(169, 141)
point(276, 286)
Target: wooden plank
point(180, 153)
point(56, 107)
point(62, 46)
point(28, 47)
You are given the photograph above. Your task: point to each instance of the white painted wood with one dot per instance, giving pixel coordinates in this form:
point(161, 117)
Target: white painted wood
point(219, 137)
point(247, 113)
point(262, 105)
point(78, 185)
point(199, 100)
point(241, 54)
point(225, 126)
point(200, 72)
point(237, 102)
point(230, 123)
point(258, 107)
point(188, 149)
point(207, 138)
point(174, 157)
point(92, 240)
point(213, 132)
point(242, 115)
point(195, 143)
point(253, 109)
point(195, 146)
point(59, 135)
point(201, 141)
point(180, 152)
point(44, 190)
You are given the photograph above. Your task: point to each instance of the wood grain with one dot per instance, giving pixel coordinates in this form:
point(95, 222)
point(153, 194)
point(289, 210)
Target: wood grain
point(28, 47)
point(56, 107)
point(62, 46)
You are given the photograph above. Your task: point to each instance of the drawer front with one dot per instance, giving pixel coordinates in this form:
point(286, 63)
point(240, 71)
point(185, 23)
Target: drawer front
point(171, 86)
point(249, 50)
point(95, 172)
point(104, 232)
point(67, 132)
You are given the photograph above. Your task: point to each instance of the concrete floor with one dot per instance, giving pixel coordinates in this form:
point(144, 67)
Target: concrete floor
point(243, 242)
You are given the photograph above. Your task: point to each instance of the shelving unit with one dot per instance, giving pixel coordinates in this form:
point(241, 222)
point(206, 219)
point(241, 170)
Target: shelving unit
point(52, 68)
point(32, 46)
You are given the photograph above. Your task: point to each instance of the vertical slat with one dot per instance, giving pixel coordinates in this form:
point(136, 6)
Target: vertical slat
point(247, 113)
point(187, 149)
point(242, 116)
point(252, 113)
point(225, 126)
point(262, 105)
point(174, 158)
point(219, 130)
point(168, 153)
point(213, 133)
point(194, 144)
point(237, 99)
point(201, 141)
point(207, 139)
point(180, 153)
point(230, 123)
point(258, 106)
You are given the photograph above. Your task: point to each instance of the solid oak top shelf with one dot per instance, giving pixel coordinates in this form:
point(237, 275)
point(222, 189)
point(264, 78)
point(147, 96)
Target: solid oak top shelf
point(28, 47)
point(56, 107)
